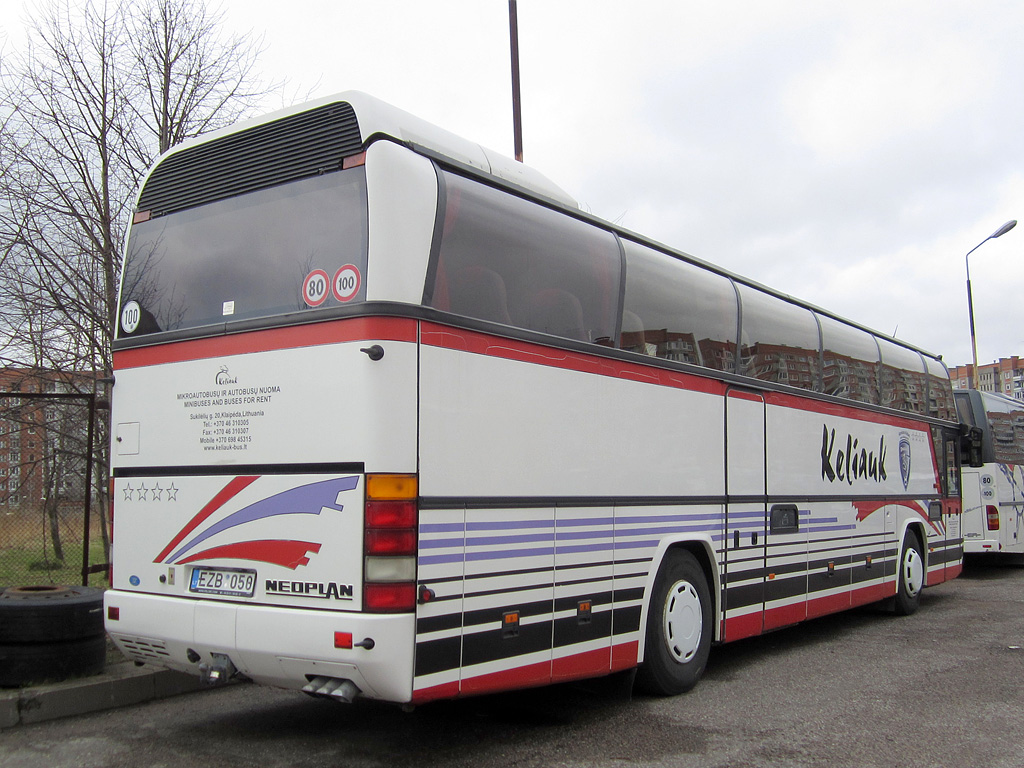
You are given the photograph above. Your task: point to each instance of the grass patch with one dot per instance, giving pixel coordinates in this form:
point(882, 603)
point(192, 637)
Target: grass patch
point(29, 565)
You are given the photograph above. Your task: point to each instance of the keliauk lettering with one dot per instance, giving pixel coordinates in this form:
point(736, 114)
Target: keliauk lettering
point(853, 463)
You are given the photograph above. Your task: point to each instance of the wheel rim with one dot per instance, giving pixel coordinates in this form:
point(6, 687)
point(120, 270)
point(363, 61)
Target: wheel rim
point(913, 571)
point(684, 620)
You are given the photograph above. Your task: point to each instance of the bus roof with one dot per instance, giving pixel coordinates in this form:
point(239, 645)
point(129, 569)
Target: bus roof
point(376, 117)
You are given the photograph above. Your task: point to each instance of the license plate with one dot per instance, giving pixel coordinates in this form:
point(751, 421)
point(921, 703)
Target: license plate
point(235, 582)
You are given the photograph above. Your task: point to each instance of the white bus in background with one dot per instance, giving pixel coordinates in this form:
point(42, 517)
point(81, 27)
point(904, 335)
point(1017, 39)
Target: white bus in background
point(993, 494)
point(393, 418)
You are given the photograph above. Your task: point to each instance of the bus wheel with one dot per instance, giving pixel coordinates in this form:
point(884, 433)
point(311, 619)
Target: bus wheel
point(911, 578)
point(679, 627)
point(50, 613)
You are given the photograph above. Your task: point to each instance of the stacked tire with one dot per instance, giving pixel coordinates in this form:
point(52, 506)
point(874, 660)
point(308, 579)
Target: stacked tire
point(50, 633)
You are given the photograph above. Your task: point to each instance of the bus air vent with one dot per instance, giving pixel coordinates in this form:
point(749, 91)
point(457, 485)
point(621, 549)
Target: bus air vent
point(302, 145)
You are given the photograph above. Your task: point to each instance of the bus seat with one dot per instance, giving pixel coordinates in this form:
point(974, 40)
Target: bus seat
point(557, 312)
point(479, 292)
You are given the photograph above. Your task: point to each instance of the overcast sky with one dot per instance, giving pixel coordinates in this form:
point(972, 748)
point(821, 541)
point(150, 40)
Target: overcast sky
point(849, 154)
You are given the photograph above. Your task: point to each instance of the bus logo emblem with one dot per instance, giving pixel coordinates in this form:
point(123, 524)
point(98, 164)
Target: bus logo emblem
point(905, 459)
point(224, 376)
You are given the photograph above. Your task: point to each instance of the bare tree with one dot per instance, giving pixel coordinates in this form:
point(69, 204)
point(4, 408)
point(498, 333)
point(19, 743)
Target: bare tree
point(102, 89)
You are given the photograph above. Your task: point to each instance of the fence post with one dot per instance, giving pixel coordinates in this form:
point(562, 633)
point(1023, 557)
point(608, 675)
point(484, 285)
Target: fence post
point(88, 490)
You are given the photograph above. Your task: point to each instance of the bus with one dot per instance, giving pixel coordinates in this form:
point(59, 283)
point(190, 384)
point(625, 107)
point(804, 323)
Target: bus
point(393, 418)
point(993, 493)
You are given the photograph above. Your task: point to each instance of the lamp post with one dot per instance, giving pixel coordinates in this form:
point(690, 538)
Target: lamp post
point(517, 110)
point(970, 302)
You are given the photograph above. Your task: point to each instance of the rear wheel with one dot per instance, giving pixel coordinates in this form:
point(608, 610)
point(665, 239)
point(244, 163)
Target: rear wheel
point(911, 576)
point(679, 627)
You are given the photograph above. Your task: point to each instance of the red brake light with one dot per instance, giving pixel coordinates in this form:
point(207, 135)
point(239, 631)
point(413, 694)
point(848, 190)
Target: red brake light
point(390, 542)
point(391, 514)
point(992, 515)
point(388, 598)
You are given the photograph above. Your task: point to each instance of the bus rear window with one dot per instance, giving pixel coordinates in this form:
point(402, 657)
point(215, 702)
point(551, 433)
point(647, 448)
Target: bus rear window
point(506, 260)
point(294, 247)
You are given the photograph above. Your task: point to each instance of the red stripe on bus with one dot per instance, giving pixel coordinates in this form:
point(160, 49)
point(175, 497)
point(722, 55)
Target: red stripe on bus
point(750, 625)
point(435, 692)
point(289, 337)
point(232, 489)
point(581, 665)
point(739, 627)
point(445, 337)
point(624, 656)
point(578, 666)
point(528, 676)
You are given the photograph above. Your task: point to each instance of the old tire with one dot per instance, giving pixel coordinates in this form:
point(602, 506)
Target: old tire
point(679, 627)
point(51, 662)
point(50, 614)
point(911, 577)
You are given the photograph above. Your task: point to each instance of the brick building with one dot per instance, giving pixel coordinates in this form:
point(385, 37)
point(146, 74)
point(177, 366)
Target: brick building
point(1005, 376)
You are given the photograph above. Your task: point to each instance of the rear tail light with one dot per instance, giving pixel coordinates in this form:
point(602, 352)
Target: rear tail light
point(992, 515)
point(389, 543)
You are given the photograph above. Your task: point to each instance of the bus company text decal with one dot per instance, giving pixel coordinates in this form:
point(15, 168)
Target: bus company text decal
point(851, 460)
point(310, 589)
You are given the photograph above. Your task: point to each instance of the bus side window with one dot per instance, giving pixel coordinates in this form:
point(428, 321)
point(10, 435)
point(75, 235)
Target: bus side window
point(678, 311)
point(476, 291)
point(555, 311)
point(903, 378)
point(779, 341)
point(512, 261)
point(940, 391)
point(952, 467)
point(851, 361)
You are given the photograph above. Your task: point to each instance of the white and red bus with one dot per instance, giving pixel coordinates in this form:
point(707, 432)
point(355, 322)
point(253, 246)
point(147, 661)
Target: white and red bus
point(993, 492)
point(393, 418)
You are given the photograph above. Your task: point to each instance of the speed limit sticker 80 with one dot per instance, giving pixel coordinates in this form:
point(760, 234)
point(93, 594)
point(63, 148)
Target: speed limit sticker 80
point(316, 288)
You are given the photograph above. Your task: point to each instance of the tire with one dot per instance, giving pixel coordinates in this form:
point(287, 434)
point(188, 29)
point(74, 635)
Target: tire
point(679, 627)
point(911, 578)
point(49, 614)
point(51, 662)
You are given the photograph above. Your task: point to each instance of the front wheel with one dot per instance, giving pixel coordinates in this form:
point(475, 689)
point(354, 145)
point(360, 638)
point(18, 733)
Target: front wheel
point(679, 627)
point(911, 576)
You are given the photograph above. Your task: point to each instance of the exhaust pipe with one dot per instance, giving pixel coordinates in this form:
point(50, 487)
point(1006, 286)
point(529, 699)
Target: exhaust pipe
point(332, 688)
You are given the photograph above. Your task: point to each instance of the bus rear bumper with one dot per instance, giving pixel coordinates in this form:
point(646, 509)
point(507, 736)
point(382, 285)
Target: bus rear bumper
point(283, 647)
point(976, 546)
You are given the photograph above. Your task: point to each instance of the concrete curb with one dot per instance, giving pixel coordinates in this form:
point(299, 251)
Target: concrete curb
point(121, 685)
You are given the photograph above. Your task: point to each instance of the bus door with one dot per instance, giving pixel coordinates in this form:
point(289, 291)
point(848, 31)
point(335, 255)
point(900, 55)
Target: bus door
point(745, 511)
point(786, 525)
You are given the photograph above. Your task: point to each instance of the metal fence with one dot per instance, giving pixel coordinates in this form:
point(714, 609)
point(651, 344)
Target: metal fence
point(52, 526)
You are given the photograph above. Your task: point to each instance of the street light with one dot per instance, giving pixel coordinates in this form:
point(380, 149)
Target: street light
point(970, 302)
point(517, 109)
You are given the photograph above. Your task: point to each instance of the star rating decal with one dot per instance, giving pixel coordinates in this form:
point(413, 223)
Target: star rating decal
point(156, 493)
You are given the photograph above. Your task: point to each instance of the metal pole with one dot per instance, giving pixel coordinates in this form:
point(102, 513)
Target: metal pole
point(970, 301)
point(517, 115)
point(88, 490)
point(974, 341)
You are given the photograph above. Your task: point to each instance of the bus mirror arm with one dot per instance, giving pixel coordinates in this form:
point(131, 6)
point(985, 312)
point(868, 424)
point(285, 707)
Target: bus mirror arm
point(970, 445)
point(376, 352)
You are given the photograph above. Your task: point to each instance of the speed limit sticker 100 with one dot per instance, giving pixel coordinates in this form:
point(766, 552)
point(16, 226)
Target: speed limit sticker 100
point(346, 283)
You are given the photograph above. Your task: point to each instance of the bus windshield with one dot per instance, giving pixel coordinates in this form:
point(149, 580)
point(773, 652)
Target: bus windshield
point(247, 257)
